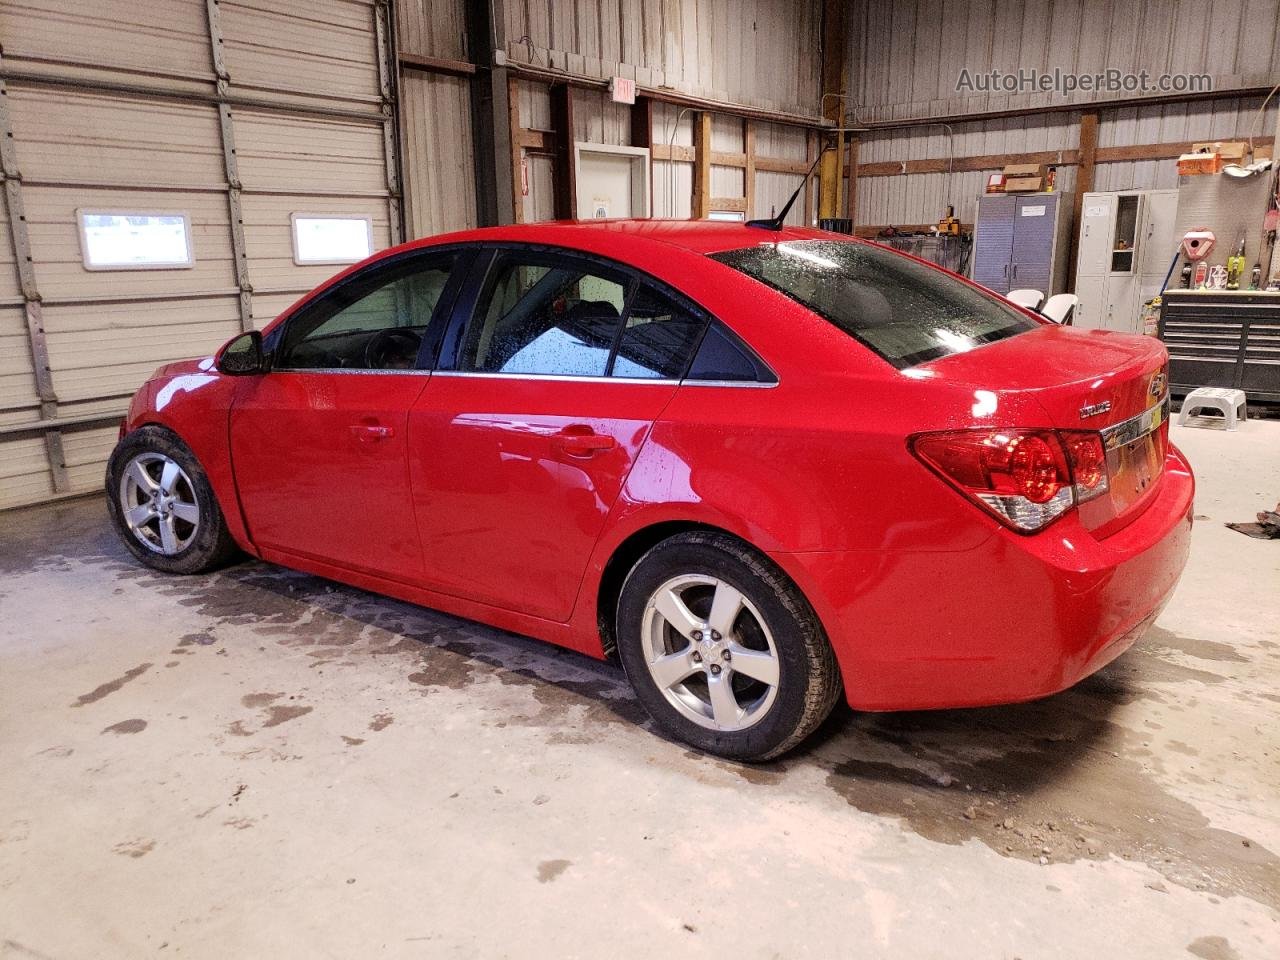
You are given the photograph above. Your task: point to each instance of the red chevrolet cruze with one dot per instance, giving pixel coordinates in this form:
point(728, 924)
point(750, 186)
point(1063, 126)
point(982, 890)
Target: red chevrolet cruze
point(758, 466)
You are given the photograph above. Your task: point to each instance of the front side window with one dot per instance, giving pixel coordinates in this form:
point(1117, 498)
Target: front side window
point(372, 322)
point(905, 311)
point(545, 317)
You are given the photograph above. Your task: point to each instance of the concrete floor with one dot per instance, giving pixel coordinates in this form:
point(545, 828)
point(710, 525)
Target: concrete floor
point(263, 764)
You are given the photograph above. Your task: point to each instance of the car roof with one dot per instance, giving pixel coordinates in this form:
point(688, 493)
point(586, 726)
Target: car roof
point(697, 236)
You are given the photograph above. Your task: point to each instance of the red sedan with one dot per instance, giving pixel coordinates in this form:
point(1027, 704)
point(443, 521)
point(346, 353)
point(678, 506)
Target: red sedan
point(759, 467)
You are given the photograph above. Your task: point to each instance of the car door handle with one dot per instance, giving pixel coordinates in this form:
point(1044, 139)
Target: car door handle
point(576, 443)
point(371, 431)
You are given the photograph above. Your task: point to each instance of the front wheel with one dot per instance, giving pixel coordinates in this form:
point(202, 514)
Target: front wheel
point(163, 506)
point(722, 649)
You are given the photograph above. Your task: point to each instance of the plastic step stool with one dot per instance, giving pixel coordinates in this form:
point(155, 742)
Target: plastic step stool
point(1230, 403)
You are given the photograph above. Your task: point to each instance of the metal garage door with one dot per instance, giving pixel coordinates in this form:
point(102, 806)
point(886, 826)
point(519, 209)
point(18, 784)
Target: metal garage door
point(237, 116)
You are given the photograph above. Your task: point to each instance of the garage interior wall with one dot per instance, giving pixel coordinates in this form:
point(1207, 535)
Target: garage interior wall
point(237, 114)
point(905, 59)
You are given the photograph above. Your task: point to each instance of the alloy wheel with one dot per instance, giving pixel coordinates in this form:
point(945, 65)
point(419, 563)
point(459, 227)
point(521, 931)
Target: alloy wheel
point(710, 652)
point(158, 503)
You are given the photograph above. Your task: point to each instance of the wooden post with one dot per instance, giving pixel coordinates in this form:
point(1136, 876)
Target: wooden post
point(566, 177)
point(810, 154)
point(834, 87)
point(701, 165)
point(517, 150)
point(851, 211)
point(642, 136)
point(749, 172)
point(1087, 158)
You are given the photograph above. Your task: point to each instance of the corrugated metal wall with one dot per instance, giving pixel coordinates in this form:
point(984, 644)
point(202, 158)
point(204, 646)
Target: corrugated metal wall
point(304, 110)
point(763, 53)
point(435, 120)
point(906, 55)
point(905, 58)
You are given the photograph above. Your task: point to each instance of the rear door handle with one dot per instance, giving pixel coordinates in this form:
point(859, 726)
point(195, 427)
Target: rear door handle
point(582, 442)
point(372, 431)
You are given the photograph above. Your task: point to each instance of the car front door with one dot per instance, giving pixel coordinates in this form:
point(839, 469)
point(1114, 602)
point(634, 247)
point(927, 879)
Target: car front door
point(319, 443)
point(549, 381)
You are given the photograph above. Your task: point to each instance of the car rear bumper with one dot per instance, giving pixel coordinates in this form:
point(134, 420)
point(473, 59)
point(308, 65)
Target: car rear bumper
point(1013, 619)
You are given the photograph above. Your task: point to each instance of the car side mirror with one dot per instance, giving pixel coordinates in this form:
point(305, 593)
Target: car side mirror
point(241, 356)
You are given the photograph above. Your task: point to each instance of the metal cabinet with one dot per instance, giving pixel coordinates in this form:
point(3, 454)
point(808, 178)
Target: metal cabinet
point(1126, 245)
point(1020, 241)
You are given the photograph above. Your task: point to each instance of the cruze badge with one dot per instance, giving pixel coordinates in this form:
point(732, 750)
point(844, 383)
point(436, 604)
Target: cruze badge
point(1157, 385)
point(1093, 409)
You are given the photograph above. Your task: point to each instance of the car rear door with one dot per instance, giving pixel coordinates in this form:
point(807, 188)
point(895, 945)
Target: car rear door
point(550, 378)
point(319, 443)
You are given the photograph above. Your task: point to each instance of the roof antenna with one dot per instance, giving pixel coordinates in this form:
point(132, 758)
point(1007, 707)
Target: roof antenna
point(775, 223)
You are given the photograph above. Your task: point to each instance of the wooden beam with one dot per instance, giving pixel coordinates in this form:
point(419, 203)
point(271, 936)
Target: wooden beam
point(736, 204)
point(517, 150)
point(721, 159)
point(854, 172)
point(990, 161)
point(834, 84)
point(676, 152)
point(460, 68)
point(776, 165)
point(1056, 158)
point(701, 165)
point(565, 177)
point(1088, 154)
point(749, 173)
point(539, 141)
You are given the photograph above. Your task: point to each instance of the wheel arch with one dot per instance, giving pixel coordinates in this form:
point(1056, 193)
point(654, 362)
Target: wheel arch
point(627, 553)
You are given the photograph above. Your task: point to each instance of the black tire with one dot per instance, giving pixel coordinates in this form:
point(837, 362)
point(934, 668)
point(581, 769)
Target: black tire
point(808, 677)
point(209, 544)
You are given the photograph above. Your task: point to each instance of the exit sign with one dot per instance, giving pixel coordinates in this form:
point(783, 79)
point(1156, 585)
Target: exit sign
point(623, 90)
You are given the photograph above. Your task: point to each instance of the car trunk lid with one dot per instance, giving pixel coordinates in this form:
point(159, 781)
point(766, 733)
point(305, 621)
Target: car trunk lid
point(1086, 380)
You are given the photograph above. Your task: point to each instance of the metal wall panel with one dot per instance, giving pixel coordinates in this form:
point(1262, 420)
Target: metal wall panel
point(440, 187)
point(432, 28)
point(906, 55)
point(238, 173)
point(762, 53)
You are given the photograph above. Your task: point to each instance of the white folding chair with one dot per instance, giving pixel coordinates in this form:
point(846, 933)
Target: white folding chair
point(1031, 299)
point(1058, 308)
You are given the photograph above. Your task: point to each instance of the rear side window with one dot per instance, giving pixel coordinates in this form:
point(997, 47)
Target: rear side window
point(545, 318)
point(905, 311)
point(658, 338)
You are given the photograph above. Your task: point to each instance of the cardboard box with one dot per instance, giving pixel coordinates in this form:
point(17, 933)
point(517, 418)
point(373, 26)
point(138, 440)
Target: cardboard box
point(1024, 184)
point(1013, 170)
point(1231, 151)
point(1193, 164)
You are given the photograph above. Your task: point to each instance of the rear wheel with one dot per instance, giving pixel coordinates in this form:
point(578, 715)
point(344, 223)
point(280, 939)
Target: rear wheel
point(163, 506)
point(722, 649)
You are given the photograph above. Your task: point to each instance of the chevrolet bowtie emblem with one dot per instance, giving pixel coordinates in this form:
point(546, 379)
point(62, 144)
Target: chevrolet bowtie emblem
point(1157, 385)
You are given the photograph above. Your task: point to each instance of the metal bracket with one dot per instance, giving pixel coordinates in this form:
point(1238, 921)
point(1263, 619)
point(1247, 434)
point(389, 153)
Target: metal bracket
point(231, 166)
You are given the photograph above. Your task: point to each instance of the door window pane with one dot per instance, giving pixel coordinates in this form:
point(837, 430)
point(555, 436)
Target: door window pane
point(658, 340)
point(543, 318)
point(373, 322)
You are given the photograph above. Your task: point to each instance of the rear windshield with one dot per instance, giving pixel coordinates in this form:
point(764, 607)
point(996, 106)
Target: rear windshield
point(907, 312)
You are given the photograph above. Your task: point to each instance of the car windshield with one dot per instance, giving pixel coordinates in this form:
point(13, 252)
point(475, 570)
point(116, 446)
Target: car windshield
point(905, 311)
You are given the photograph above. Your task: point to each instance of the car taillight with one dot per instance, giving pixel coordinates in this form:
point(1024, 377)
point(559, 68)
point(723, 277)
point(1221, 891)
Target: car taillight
point(1027, 478)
